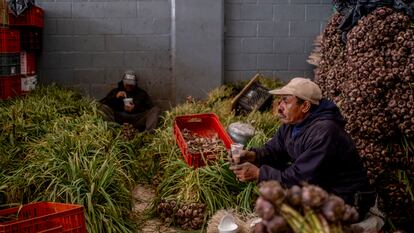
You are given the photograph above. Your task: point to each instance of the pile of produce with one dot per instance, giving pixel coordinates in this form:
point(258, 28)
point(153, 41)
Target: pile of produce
point(306, 209)
point(371, 78)
point(128, 131)
point(198, 144)
point(188, 215)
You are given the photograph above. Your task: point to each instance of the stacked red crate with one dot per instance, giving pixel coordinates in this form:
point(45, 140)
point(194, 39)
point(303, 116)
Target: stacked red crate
point(10, 79)
point(30, 25)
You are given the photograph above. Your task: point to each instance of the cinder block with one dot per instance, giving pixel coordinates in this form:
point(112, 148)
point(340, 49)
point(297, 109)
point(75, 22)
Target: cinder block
point(241, 28)
point(56, 9)
point(89, 76)
point(162, 26)
point(286, 75)
point(248, 75)
point(62, 77)
point(304, 1)
point(49, 60)
point(241, 1)
point(309, 74)
point(50, 26)
point(285, 13)
point(309, 45)
point(88, 43)
point(232, 11)
point(273, 62)
point(257, 45)
point(57, 43)
point(121, 43)
point(154, 9)
point(72, 26)
point(318, 12)
point(274, 1)
point(232, 45)
point(232, 76)
point(304, 29)
point(147, 60)
point(298, 62)
point(137, 26)
point(99, 91)
point(107, 59)
point(256, 12)
point(120, 9)
point(76, 60)
point(272, 29)
point(235, 62)
point(99, 26)
point(83, 89)
point(156, 42)
point(88, 10)
point(289, 45)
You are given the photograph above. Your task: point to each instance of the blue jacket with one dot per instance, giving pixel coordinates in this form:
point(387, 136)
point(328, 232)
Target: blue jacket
point(318, 151)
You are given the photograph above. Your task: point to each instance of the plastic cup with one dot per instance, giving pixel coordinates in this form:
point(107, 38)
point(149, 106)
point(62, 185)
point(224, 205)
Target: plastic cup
point(128, 101)
point(236, 149)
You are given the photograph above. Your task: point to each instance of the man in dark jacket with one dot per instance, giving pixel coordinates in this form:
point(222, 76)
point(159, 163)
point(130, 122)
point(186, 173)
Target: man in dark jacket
point(312, 146)
point(140, 111)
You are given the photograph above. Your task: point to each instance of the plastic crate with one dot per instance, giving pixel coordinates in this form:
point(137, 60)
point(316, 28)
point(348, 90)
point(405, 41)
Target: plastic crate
point(205, 125)
point(253, 96)
point(9, 41)
point(33, 17)
point(31, 39)
point(10, 86)
point(28, 63)
point(44, 217)
point(9, 64)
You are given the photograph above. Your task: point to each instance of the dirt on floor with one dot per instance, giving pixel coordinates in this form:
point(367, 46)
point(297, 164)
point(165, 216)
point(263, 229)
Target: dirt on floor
point(143, 195)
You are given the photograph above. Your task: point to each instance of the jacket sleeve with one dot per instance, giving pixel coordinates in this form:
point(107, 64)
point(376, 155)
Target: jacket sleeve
point(142, 102)
point(273, 153)
point(317, 146)
point(113, 102)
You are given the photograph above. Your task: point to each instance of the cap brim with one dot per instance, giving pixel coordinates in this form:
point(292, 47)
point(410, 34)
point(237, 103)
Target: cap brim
point(281, 91)
point(129, 82)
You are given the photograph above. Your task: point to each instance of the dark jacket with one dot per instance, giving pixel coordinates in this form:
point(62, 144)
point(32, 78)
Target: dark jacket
point(142, 101)
point(317, 150)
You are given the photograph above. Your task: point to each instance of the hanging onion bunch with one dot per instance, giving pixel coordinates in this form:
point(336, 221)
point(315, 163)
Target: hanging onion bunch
point(371, 78)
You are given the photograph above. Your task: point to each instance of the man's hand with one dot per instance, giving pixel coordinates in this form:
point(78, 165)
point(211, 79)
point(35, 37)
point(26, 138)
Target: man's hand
point(247, 156)
point(246, 172)
point(129, 107)
point(121, 94)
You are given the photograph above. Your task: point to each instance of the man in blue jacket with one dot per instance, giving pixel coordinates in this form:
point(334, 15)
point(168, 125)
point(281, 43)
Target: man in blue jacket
point(312, 146)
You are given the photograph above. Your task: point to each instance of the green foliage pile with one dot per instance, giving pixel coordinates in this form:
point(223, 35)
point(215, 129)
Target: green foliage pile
point(55, 147)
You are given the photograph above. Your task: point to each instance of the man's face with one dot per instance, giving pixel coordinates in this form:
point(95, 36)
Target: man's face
point(129, 87)
point(289, 111)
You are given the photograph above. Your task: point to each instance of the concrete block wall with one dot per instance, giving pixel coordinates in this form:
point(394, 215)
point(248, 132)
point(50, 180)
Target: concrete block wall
point(88, 45)
point(273, 37)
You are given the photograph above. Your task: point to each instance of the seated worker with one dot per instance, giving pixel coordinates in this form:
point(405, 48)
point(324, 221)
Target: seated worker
point(310, 146)
point(141, 112)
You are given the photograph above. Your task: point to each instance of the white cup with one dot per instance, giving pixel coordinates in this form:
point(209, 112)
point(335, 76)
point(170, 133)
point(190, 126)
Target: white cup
point(236, 149)
point(128, 101)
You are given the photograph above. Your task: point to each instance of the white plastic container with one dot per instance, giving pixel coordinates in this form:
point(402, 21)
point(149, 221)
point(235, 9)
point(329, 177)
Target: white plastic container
point(227, 224)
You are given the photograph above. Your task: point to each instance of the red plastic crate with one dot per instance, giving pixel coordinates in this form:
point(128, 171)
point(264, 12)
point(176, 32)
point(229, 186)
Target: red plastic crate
point(30, 39)
point(205, 125)
point(45, 217)
point(33, 17)
point(9, 41)
point(10, 86)
point(28, 63)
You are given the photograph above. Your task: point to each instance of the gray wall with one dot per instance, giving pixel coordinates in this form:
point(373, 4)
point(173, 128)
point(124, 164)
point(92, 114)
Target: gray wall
point(87, 44)
point(273, 37)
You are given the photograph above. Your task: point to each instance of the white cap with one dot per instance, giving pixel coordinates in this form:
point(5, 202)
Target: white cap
point(302, 88)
